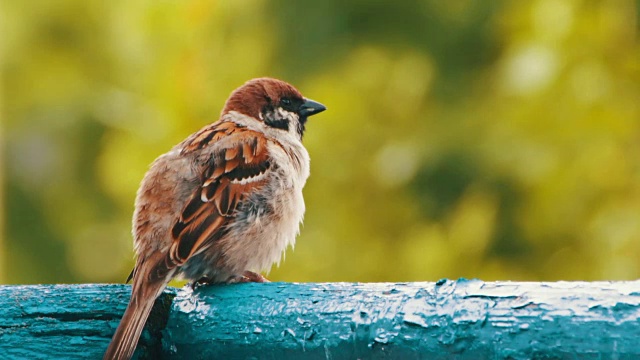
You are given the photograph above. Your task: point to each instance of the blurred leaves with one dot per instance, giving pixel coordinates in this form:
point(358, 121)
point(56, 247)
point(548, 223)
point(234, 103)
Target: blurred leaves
point(493, 140)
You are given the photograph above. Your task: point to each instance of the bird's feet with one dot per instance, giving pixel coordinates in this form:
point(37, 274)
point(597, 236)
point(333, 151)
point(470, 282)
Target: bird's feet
point(248, 276)
point(203, 281)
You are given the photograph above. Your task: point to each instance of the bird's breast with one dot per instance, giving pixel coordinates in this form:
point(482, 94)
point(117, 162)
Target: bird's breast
point(268, 220)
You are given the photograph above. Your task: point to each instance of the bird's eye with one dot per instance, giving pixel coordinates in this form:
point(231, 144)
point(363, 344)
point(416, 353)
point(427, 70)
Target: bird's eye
point(285, 101)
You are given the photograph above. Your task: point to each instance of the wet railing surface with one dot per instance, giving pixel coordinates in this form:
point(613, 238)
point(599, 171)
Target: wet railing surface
point(463, 319)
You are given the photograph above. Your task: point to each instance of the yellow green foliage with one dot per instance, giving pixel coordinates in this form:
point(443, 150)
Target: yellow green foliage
point(495, 140)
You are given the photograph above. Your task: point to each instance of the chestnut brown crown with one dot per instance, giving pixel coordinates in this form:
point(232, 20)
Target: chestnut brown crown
point(277, 103)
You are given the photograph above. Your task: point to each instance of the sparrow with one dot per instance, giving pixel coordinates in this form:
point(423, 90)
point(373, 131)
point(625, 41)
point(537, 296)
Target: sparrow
point(224, 204)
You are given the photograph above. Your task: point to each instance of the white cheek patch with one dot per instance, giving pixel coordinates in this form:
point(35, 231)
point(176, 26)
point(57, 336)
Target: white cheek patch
point(292, 117)
point(284, 114)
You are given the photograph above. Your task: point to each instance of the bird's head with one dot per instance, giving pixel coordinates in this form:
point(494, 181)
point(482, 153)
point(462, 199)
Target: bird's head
point(274, 102)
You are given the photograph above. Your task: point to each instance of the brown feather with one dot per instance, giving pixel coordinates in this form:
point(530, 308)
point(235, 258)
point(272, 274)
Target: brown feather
point(247, 153)
point(261, 147)
point(208, 191)
point(151, 276)
point(217, 172)
point(221, 197)
point(194, 206)
point(232, 153)
point(191, 240)
point(204, 216)
point(232, 164)
point(207, 233)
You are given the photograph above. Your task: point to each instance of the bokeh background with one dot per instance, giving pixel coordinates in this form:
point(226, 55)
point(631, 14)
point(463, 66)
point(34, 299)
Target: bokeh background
point(479, 139)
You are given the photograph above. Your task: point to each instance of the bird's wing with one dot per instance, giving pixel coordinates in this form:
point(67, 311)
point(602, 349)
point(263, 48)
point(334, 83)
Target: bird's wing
point(237, 165)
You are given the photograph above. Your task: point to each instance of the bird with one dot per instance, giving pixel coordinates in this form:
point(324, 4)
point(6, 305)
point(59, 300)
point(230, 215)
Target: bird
point(224, 204)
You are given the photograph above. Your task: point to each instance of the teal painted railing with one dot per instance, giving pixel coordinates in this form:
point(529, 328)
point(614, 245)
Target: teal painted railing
point(464, 319)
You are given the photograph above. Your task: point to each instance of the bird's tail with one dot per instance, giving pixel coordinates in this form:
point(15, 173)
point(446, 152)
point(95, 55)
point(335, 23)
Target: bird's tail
point(125, 339)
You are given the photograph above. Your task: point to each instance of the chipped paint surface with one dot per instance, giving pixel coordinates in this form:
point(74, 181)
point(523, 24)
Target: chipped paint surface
point(464, 319)
point(69, 321)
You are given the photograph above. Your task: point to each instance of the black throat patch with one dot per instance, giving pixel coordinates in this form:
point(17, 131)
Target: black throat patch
point(301, 123)
point(276, 119)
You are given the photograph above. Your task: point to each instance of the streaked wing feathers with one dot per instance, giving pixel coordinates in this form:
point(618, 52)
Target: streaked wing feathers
point(231, 172)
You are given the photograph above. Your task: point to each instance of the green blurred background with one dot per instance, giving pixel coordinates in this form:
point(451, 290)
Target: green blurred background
point(482, 139)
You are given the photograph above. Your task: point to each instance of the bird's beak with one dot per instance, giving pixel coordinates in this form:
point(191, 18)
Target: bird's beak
point(310, 107)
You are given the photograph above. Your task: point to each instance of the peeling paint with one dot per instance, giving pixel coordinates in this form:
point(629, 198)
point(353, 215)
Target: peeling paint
point(69, 321)
point(463, 319)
